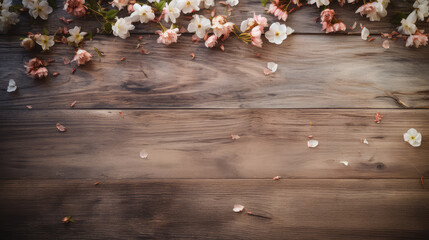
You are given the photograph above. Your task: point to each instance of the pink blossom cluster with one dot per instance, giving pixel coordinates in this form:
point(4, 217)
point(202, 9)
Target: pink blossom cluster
point(277, 10)
point(168, 36)
point(257, 25)
point(75, 7)
point(327, 18)
point(417, 40)
point(221, 30)
point(36, 68)
point(82, 57)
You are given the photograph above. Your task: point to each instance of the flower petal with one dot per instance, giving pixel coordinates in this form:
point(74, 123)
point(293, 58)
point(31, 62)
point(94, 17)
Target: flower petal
point(238, 208)
point(312, 143)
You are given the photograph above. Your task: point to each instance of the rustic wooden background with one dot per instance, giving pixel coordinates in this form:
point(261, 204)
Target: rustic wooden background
point(182, 112)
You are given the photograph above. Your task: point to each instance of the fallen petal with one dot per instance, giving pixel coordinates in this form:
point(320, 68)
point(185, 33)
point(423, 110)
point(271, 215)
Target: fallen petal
point(12, 86)
point(235, 137)
point(61, 128)
point(345, 163)
point(386, 44)
point(144, 154)
point(312, 143)
point(267, 72)
point(272, 66)
point(276, 178)
point(365, 141)
point(238, 208)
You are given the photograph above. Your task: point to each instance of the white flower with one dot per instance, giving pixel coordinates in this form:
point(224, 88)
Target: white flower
point(12, 86)
point(413, 137)
point(143, 13)
point(171, 11)
point(45, 41)
point(208, 3)
point(199, 25)
point(7, 18)
point(40, 9)
point(187, 6)
point(278, 32)
point(75, 35)
point(364, 33)
point(408, 25)
point(272, 66)
point(232, 3)
point(422, 9)
point(122, 27)
point(120, 3)
point(5, 4)
point(319, 2)
point(28, 3)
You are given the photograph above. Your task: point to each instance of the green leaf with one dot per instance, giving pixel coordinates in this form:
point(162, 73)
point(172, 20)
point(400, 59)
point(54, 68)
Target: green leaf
point(45, 31)
point(264, 2)
point(159, 6)
point(98, 52)
point(111, 14)
point(53, 4)
point(89, 36)
point(396, 19)
point(107, 27)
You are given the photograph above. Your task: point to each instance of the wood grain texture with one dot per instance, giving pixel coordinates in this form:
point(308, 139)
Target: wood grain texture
point(197, 144)
point(202, 209)
point(314, 72)
point(303, 20)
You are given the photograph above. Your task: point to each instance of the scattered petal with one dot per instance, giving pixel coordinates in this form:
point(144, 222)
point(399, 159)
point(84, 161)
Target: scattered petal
point(276, 178)
point(122, 59)
point(234, 137)
point(66, 60)
point(272, 66)
point(12, 86)
point(238, 208)
point(29, 107)
point(143, 154)
point(55, 74)
point(121, 114)
point(192, 55)
point(378, 117)
point(68, 219)
point(353, 26)
point(386, 44)
point(312, 143)
point(96, 183)
point(73, 104)
point(61, 128)
point(365, 141)
point(364, 33)
point(345, 163)
point(222, 48)
point(267, 72)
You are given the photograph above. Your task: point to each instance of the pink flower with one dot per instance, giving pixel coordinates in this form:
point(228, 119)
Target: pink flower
point(417, 40)
point(340, 26)
point(82, 57)
point(169, 36)
point(221, 27)
point(261, 21)
point(366, 9)
point(278, 12)
point(130, 8)
point(327, 15)
point(35, 68)
point(211, 41)
point(256, 36)
point(75, 7)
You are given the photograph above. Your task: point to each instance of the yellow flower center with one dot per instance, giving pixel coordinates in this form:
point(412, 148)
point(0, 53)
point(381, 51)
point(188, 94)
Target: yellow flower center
point(199, 25)
point(277, 33)
point(188, 3)
point(412, 138)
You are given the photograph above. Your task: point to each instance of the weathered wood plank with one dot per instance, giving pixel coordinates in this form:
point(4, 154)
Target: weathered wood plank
point(197, 144)
point(202, 209)
point(314, 72)
point(302, 20)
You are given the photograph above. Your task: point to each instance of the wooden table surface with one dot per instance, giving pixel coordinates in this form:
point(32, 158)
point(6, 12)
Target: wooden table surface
point(182, 112)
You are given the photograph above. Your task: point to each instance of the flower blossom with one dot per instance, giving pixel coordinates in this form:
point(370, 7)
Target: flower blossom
point(45, 41)
point(119, 4)
point(82, 57)
point(326, 18)
point(168, 36)
point(211, 41)
point(256, 34)
point(417, 40)
point(413, 137)
point(7, 18)
point(374, 11)
point(319, 2)
point(408, 25)
point(221, 27)
point(75, 7)
point(27, 43)
point(144, 13)
point(232, 3)
point(188, 6)
point(122, 27)
point(36, 69)
point(422, 9)
point(199, 25)
point(171, 12)
point(208, 3)
point(278, 32)
point(276, 11)
point(39, 9)
point(75, 35)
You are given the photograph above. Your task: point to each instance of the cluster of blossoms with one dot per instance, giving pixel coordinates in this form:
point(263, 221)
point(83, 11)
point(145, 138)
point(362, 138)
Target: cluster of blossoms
point(7, 17)
point(408, 26)
point(75, 7)
point(374, 10)
point(36, 68)
point(44, 41)
point(329, 22)
point(38, 8)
